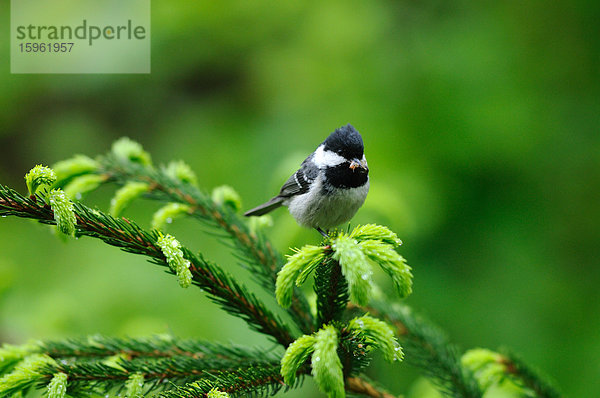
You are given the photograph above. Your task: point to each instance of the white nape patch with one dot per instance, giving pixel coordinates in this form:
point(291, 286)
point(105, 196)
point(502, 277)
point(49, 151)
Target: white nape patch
point(325, 158)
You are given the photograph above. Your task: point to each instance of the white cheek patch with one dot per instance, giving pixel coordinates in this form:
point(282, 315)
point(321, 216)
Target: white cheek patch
point(325, 158)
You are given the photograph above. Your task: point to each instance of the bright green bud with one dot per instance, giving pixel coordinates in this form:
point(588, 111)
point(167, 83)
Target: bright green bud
point(375, 232)
point(391, 262)
point(134, 387)
point(81, 185)
point(38, 176)
point(214, 393)
point(315, 255)
point(57, 388)
point(227, 196)
point(166, 214)
point(297, 269)
point(125, 195)
point(127, 149)
point(295, 355)
point(75, 166)
point(13, 354)
point(64, 211)
point(326, 365)
point(487, 366)
point(260, 223)
point(380, 335)
point(171, 248)
point(182, 172)
point(25, 375)
point(355, 268)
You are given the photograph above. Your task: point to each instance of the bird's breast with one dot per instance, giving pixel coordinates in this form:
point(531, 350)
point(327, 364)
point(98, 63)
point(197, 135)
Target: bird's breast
point(325, 206)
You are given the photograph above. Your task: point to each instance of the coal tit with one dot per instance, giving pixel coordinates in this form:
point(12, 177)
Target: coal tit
point(330, 186)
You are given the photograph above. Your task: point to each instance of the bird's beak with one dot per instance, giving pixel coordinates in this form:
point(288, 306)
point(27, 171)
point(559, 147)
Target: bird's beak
point(359, 163)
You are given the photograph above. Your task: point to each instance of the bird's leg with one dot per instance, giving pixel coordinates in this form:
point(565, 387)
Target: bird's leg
point(325, 235)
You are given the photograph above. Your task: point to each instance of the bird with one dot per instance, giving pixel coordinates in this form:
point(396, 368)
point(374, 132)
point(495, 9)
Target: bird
point(329, 187)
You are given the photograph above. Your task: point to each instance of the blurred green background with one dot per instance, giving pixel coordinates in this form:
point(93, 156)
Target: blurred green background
point(481, 127)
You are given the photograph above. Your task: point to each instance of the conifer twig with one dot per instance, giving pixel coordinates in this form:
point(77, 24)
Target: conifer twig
point(98, 346)
point(265, 380)
point(99, 363)
point(361, 386)
point(528, 376)
point(125, 234)
point(89, 375)
point(332, 291)
point(428, 349)
point(261, 258)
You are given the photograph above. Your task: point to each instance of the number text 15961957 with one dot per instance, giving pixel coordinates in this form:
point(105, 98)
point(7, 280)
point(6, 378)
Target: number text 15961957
point(46, 47)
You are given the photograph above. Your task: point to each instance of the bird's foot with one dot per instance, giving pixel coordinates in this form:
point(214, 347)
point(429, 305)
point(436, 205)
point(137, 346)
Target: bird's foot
point(325, 234)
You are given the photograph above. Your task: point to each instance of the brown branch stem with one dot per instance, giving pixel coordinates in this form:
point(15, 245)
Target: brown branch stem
point(361, 386)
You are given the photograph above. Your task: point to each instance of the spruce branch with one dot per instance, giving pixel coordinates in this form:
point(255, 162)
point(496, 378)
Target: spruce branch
point(256, 380)
point(528, 376)
point(158, 373)
point(337, 353)
point(98, 363)
point(353, 254)
point(428, 349)
point(256, 252)
point(221, 287)
point(332, 292)
point(99, 346)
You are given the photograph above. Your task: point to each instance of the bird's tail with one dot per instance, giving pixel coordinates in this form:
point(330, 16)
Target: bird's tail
point(265, 207)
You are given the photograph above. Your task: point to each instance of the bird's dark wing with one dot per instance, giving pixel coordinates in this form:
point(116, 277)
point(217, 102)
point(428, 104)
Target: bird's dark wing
point(299, 182)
